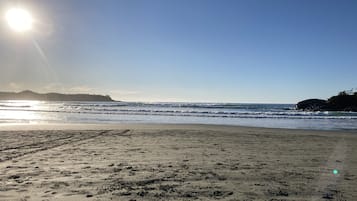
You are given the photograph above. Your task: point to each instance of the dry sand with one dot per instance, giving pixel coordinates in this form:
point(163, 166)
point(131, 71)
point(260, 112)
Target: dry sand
point(176, 162)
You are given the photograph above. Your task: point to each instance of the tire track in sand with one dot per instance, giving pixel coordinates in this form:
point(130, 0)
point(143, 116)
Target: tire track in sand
point(50, 144)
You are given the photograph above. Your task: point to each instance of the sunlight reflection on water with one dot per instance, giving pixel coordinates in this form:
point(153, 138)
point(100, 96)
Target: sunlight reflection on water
point(13, 111)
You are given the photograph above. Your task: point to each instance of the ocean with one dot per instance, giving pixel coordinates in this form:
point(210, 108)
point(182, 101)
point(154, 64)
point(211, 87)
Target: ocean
point(258, 115)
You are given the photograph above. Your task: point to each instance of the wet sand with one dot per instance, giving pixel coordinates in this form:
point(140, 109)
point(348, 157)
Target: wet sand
point(176, 162)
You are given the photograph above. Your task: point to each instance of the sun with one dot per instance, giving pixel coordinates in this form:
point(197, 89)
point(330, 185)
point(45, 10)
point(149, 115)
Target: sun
point(19, 20)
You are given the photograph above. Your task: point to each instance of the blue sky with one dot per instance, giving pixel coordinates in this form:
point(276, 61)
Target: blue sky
point(184, 50)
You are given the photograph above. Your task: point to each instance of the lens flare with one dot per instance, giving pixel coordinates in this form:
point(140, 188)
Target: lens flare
point(335, 171)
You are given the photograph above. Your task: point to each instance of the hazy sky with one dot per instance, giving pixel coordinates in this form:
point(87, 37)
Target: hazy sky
point(184, 50)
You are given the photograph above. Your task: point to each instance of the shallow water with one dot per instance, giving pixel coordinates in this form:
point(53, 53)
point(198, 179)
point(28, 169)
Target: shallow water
point(261, 115)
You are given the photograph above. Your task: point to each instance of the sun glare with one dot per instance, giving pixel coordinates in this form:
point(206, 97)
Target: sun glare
point(19, 20)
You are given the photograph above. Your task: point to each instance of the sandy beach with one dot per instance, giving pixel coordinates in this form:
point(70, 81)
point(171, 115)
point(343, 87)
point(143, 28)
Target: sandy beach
point(175, 162)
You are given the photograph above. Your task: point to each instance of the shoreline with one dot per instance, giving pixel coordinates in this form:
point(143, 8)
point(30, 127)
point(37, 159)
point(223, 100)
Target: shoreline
point(115, 126)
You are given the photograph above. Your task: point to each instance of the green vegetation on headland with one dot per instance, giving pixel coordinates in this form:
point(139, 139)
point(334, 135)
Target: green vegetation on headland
point(344, 101)
point(30, 95)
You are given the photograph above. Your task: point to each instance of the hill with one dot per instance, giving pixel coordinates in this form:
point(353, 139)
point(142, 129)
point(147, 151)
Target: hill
point(30, 95)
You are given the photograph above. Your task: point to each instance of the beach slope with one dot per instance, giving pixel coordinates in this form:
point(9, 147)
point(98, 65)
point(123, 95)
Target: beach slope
point(177, 162)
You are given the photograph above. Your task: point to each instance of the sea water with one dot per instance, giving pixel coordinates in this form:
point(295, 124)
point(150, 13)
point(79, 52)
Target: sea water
point(259, 115)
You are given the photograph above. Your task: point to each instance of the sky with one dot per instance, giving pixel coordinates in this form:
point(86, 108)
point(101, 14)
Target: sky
point(245, 51)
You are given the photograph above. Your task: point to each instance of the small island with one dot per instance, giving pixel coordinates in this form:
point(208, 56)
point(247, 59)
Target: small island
point(344, 101)
point(30, 95)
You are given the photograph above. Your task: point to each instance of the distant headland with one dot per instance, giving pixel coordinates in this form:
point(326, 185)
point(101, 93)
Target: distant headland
point(30, 95)
point(344, 101)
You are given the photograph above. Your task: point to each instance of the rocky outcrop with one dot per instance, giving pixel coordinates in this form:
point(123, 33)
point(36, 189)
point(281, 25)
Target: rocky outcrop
point(312, 104)
point(30, 95)
point(341, 102)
